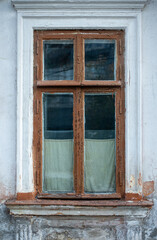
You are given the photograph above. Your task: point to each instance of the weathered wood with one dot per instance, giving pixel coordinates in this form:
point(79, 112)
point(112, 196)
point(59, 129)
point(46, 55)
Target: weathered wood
point(78, 87)
point(71, 83)
point(81, 196)
point(103, 203)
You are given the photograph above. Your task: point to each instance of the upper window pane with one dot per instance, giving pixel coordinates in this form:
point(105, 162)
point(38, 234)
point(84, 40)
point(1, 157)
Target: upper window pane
point(100, 61)
point(58, 60)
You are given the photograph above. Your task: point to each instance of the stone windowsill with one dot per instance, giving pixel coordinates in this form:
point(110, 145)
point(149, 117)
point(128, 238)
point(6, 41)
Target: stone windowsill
point(79, 208)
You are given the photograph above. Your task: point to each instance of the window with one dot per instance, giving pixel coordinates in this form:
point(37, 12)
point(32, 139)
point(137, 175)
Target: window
point(79, 128)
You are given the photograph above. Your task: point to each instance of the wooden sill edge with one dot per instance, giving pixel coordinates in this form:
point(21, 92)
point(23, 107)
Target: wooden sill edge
point(87, 203)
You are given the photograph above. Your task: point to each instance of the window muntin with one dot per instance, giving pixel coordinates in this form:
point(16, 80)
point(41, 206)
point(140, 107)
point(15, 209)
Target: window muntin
point(80, 87)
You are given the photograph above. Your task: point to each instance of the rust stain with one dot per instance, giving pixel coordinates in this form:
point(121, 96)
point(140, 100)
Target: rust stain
point(26, 196)
point(59, 213)
point(133, 197)
point(140, 179)
point(148, 188)
point(132, 181)
point(127, 183)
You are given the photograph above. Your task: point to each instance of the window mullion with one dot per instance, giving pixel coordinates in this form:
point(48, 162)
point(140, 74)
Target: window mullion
point(120, 107)
point(79, 59)
point(78, 141)
point(79, 119)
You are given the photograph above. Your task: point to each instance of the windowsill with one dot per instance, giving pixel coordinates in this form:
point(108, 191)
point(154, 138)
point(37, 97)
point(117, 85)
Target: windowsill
point(97, 208)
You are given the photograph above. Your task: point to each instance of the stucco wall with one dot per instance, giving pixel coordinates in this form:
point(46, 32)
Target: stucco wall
point(8, 99)
point(149, 52)
point(50, 228)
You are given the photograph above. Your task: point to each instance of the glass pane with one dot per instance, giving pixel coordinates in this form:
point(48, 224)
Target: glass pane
point(100, 59)
point(100, 164)
point(58, 143)
point(58, 60)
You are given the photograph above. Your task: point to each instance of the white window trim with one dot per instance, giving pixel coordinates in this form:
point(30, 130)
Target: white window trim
point(81, 14)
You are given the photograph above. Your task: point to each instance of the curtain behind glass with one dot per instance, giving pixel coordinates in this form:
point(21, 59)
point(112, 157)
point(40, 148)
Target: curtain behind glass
point(58, 167)
point(58, 143)
point(99, 165)
point(99, 162)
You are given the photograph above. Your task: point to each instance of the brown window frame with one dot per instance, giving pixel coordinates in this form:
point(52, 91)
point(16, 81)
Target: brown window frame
point(78, 86)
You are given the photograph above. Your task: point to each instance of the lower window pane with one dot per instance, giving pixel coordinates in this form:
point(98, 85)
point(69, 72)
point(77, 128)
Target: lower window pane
point(100, 162)
point(58, 142)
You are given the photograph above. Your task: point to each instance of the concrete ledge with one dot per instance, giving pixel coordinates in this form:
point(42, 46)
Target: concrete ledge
point(83, 4)
point(128, 208)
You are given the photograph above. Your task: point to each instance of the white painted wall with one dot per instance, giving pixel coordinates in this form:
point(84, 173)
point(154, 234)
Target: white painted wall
point(150, 92)
point(7, 98)
point(8, 95)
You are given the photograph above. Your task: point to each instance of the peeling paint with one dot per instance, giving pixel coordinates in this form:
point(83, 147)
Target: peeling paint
point(77, 228)
point(148, 188)
point(132, 181)
point(133, 196)
point(5, 193)
point(140, 179)
point(127, 183)
point(23, 196)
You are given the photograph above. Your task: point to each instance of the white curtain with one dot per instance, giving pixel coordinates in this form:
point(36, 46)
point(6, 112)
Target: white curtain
point(58, 165)
point(99, 166)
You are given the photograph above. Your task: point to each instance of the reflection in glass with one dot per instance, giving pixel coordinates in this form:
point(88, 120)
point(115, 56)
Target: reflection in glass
point(100, 59)
point(99, 163)
point(58, 60)
point(58, 142)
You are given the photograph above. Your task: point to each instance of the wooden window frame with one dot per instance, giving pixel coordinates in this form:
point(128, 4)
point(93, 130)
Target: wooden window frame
point(78, 86)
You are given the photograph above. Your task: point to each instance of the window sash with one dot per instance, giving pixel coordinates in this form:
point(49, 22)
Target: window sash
point(79, 87)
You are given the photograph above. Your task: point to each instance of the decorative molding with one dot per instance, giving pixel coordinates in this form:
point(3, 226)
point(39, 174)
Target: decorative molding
point(28, 228)
point(23, 230)
point(81, 4)
point(52, 210)
point(30, 17)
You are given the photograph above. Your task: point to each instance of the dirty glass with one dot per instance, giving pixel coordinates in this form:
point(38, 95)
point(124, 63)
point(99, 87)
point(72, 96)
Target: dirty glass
point(100, 163)
point(58, 60)
point(58, 142)
point(100, 59)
